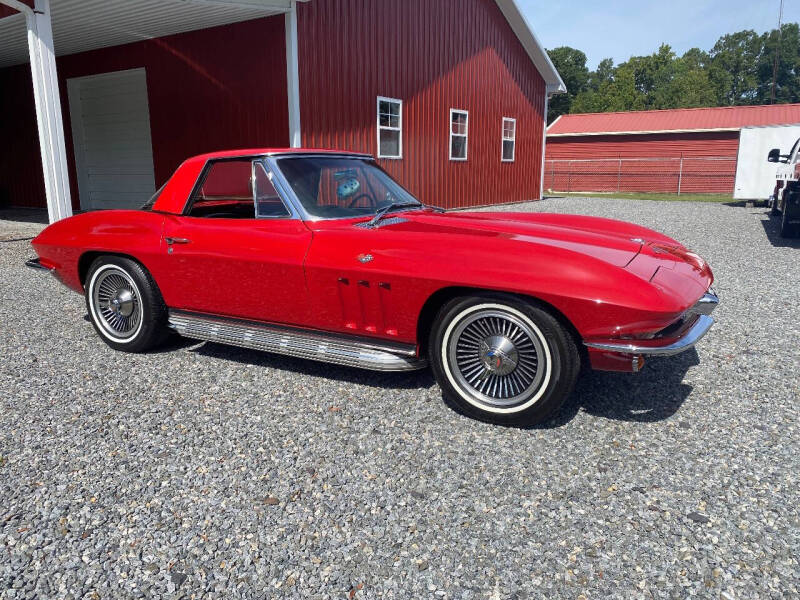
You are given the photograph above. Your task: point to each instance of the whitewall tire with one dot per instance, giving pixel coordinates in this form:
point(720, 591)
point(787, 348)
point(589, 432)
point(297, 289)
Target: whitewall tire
point(501, 359)
point(124, 304)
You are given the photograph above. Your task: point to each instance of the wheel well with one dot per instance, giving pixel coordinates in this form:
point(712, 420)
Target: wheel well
point(441, 297)
point(87, 258)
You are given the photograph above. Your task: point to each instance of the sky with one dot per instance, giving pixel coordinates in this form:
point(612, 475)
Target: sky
point(620, 29)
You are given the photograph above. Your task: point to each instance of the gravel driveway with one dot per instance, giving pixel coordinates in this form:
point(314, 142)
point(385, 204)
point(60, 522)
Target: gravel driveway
point(213, 472)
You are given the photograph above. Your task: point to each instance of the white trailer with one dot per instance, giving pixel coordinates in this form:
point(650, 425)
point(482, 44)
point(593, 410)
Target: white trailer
point(755, 177)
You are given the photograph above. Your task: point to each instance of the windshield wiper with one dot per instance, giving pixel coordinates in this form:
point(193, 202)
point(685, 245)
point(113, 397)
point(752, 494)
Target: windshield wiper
point(382, 211)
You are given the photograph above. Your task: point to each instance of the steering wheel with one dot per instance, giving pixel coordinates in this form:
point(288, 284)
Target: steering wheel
point(369, 197)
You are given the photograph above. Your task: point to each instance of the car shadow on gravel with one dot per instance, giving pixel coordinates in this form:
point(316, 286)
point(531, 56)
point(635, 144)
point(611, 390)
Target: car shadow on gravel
point(654, 394)
point(772, 227)
point(403, 380)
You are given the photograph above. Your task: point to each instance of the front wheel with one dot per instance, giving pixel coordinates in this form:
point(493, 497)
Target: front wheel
point(788, 229)
point(125, 305)
point(502, 360)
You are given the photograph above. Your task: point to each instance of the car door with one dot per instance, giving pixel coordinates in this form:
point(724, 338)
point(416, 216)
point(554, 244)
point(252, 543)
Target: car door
point(238, 250)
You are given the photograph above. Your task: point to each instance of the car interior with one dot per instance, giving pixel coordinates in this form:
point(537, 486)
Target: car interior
point(227, 193)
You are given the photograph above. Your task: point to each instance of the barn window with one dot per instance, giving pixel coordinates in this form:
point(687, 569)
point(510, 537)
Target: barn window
point(390, 128)
point(509, 139)
point(459, 128)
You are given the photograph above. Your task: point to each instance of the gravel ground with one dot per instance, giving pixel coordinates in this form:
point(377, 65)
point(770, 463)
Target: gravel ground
point(207, 471)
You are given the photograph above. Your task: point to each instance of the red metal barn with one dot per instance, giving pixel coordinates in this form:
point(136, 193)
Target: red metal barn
point(667, 151)
point(449, 95)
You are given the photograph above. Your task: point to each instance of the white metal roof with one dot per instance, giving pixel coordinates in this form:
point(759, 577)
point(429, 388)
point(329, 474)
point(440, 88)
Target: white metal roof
point(81, 25)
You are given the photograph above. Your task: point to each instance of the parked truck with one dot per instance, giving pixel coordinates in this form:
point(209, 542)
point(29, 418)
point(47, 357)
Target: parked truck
point(785, 199)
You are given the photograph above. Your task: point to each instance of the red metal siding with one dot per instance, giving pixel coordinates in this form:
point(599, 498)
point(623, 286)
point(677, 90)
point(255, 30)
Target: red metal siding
point(691, 162)
point(725, 143)
point(7, 11)
point(434, 56)
point(21, 179)
point(218, 88)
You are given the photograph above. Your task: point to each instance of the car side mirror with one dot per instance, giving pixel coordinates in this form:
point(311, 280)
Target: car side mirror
point(774, 155)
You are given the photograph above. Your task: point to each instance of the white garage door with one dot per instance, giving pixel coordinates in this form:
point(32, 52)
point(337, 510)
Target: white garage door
point(111, 132)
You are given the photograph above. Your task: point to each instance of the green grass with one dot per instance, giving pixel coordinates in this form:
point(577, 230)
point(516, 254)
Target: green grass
point(647, 196)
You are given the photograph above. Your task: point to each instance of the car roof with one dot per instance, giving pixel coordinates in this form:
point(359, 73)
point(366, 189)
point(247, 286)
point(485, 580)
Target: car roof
point(247, 152)
point(176, 191)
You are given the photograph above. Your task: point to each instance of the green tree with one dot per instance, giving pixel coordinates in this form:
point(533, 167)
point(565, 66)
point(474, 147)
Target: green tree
point(688, 85)
point(603, 74)
point(619, 93)
point(787, 88)
point(733, 70)
point(738, 70)
point(571, 65)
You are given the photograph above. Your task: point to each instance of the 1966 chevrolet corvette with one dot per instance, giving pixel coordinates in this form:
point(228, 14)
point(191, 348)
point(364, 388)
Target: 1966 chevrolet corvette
point(321, 255)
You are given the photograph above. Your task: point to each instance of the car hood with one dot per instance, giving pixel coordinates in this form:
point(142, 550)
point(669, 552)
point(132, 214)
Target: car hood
point(613, 242)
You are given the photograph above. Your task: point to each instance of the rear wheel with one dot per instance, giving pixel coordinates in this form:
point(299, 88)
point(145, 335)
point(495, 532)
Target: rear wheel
point(502, 360)
point(125, 305)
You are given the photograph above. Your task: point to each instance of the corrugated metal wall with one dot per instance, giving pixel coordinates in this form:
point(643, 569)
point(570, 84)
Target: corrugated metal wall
point(218, 88)
point(434, 56)
point(722, 143)
point(667, 163)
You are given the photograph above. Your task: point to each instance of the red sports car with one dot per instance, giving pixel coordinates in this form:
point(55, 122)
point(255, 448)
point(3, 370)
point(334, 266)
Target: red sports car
point(321, 255)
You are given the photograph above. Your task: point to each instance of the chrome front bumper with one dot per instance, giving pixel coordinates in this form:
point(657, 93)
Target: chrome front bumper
point(687, 338)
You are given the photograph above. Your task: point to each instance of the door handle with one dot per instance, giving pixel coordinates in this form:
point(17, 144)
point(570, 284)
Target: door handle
point(172, 240)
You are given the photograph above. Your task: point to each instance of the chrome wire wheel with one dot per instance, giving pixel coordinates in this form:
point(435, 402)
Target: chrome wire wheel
point(496, 358)
point(116, 303)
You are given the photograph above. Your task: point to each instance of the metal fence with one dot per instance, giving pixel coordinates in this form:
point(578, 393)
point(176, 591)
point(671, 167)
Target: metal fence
point(684, 175)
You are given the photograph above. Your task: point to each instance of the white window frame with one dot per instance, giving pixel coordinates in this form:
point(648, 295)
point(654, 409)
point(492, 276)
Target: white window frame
point(380, 127)
point(504, 139)
point(465, 135)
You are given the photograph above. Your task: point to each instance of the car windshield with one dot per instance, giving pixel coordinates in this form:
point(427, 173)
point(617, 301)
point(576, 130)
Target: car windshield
point(341, 187)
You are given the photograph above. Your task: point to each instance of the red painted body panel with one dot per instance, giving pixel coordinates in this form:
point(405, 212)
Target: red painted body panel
point(609, 279)
point(251, 269)
point(434, 56)
point(575, 264)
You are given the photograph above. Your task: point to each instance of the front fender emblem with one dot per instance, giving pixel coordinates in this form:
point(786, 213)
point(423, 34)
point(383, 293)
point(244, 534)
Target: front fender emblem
point(365, 258)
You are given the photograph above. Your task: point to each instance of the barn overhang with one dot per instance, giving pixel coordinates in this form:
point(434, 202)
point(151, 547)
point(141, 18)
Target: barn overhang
point(38, 31)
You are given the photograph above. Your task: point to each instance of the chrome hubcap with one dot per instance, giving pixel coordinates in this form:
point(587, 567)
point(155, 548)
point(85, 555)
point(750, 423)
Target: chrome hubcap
point(499, 355)
point(496, 358)
point(116, 303)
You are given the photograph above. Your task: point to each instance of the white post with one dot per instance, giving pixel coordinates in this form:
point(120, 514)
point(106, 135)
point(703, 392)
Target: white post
point(544, 143)
point(680, 175)
point(293, 77)
point(48, 107)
